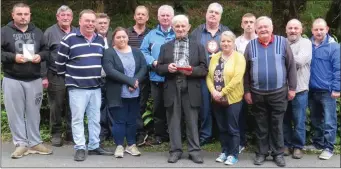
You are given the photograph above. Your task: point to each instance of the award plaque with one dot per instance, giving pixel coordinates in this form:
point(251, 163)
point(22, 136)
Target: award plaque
point(212, 46)
point(28, 51)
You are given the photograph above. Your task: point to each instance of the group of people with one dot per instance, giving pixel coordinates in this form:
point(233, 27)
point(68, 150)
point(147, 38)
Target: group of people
point(207, 73)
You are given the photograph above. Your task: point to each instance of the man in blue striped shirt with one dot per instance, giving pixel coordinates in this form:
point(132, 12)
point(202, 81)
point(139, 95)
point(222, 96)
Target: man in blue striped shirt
point(79, 60)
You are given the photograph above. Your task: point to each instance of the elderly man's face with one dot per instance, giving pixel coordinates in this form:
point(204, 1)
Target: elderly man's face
point(293, 30)
point(64, 18)
point(165, 18)
point(181, 29)
point(319, 31)
point(213, 15)
point(264, 29)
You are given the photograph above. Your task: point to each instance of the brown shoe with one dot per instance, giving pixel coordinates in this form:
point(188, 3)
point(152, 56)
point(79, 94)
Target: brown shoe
point(19, 152)
point(39, 149)
point(287, 151)
point(298, 153)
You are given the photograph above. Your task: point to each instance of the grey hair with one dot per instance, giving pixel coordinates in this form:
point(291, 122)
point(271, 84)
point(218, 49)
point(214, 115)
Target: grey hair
point(179, 18)
point(295, 20)
point(229, 34)
point(215, 5)
point(165, 8)
point(63, 8)
point(264, 18)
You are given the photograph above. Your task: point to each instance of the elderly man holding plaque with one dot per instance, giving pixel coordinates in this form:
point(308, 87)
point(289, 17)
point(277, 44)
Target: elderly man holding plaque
point(208, 34)
point(183, 64)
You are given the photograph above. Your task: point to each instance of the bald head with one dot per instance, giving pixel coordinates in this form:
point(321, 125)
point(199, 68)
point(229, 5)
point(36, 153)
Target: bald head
point(319, 29)
point(294, 30)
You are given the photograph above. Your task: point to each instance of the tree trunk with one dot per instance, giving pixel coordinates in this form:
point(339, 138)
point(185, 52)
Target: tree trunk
point(333, 19)
point(283, 11)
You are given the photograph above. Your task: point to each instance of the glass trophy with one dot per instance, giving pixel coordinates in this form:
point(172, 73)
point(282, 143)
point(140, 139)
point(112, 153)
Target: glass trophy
point(28, 51)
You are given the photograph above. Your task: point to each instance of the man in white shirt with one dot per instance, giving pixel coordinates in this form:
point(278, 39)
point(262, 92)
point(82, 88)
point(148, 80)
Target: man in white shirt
point(248, 24)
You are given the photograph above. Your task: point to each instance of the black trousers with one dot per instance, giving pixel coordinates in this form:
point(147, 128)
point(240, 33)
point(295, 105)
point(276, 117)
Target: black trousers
point(59, 104)
point(106, 119)
point(144, 96)
point(268, 111)
point(160, 120)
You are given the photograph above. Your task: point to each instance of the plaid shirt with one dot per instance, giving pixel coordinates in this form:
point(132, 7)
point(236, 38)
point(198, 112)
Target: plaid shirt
point(181, 52)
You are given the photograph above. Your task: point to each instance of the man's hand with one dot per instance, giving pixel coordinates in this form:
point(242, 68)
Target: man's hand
point(185, 72)
point(36, 58)
point(248, 98)
point(19, 58)
point(45, 83)
point(291, 94)
point(172, 68)
point(154, 63)
point(335, 95)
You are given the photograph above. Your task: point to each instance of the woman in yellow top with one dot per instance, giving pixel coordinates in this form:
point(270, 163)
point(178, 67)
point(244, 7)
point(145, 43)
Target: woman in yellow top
point(225, 83)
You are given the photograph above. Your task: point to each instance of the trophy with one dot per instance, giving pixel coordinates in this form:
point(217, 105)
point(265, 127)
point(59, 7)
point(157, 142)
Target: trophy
point(183, 64)
point(28, 51)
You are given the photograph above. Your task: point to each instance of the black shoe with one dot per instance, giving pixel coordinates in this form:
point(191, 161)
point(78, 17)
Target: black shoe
point(100, 151)
point(80, 155)
point(141, 139)
point(196, 159)
point(68, 137)
point(204, 142)
point(56, 141)
point(174, 157)
point(259, 160)
point(279, 160)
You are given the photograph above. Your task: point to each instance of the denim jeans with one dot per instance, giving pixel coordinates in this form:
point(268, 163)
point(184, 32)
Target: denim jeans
point(323, 119)
point(227, 120)
point(294, 135)
point(124, 124)
point(205, 132)
point(88, 101)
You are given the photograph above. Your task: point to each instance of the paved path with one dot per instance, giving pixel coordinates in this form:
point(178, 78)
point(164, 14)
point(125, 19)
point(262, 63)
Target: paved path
point(63, 157)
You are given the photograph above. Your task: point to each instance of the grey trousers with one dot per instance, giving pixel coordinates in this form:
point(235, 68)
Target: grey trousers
point(181, 102)
point(22, 102)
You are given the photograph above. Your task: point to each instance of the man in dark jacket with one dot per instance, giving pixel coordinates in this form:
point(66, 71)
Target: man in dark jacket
point(182, 87)
point(56, 91)
point(208, 34)
point(22, 49)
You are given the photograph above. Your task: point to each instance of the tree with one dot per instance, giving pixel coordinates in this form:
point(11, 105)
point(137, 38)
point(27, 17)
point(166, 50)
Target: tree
point(283, 11)
point(333, 18)
point(113, 7)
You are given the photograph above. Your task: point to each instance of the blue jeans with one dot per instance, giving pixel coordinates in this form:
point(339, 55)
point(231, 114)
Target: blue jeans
point(124, 124)
point(227, 121)
point(294, 135)
point(89, 101)
point(205, 132)
point(323, 119)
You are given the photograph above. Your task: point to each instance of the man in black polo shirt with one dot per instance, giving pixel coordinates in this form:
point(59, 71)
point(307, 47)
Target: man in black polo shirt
point(136, 34)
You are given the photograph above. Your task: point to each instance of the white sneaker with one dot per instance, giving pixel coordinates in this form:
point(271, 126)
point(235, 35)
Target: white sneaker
point(222, 158)
point(133, 150)
point(326, 154)
point(119, 151)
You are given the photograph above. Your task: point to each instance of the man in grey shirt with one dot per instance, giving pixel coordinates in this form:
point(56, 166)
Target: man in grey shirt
point(56, 89)
point(295, 136)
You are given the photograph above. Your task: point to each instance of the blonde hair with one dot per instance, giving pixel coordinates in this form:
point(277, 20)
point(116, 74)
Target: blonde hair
point(230, 35)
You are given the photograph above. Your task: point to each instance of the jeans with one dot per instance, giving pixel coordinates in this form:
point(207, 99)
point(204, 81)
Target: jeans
point(323, 119)
point(205, 132)
point(89, 101)
point(294, 135)
point(242, 123)
point(124, 124)
point(227, 120)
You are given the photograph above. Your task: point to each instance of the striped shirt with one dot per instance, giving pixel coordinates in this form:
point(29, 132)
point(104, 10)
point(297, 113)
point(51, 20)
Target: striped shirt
point(80, 60)
point(135, 39)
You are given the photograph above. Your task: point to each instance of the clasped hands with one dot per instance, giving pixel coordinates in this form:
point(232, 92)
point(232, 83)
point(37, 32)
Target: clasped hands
point(172, 69)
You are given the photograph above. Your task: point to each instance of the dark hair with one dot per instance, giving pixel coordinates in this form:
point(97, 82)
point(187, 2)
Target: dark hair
point(118, 29)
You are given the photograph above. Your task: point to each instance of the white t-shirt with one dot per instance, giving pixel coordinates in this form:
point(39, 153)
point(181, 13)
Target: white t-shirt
point(241, 43)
